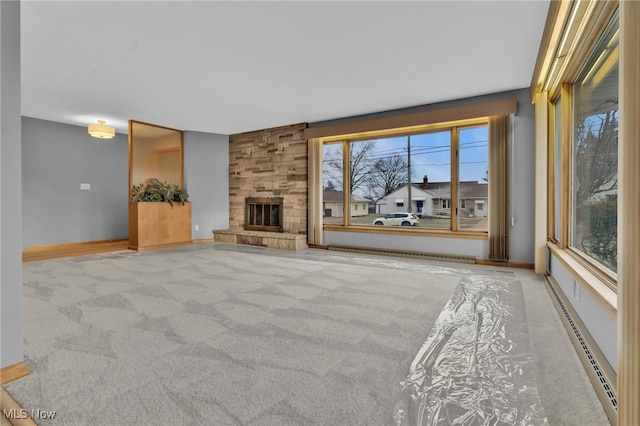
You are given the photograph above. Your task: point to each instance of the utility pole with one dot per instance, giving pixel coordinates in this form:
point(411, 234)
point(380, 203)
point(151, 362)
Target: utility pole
point(409, 172)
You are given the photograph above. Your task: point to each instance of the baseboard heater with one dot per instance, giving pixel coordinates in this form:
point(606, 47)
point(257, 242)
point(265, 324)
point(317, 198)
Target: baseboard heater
point(597, 367)
point(406, 253)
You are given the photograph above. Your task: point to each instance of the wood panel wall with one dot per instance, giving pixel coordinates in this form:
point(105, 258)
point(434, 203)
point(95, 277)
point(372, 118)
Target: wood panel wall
point(628, 217)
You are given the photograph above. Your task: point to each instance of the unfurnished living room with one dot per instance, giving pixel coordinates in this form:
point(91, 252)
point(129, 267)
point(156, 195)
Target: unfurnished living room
point(331, 213)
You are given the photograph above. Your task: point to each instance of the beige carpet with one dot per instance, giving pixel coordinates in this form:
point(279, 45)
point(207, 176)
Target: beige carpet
point(215, 334)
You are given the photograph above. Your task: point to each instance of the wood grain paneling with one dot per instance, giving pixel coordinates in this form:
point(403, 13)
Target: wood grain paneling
point(315, 191)
point(154, 225)
point(442, 115)
point(565, 164)
point(540, 230)
point(10, 406)
point(13, 372)
point(593, 283)
point(629, 225)
point(55, 251)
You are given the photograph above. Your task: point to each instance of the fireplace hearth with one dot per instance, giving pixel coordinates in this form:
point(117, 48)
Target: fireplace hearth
point(264, 214)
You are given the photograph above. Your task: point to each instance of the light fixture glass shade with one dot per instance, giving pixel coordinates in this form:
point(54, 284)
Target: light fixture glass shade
point(101, 131)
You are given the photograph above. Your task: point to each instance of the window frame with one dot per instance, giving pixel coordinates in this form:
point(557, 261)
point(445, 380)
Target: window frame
point(496, 111)
point(583, 256)
point(453, 231)
point(560, 90)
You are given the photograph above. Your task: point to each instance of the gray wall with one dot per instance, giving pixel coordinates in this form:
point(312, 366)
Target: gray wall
point(206, 178)
point(599, 323)
point(56, 159)
point(522, 177)
point(451, 246)
point(522, 191)
point(11, 311)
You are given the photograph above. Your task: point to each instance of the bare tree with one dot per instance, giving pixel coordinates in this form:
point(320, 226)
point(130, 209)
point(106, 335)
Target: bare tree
point(360, 165)
point(596, 155)
point(330, 186)
point(596, 172)
point(373, 177)
point(389, 172)
point(385, 176)
point(332, 165)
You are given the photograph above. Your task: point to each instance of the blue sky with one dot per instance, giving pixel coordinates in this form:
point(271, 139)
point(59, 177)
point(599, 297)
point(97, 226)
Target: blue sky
point(431, 154)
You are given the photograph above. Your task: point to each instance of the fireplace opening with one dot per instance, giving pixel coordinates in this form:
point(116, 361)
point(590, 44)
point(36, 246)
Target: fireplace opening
point(264, 214)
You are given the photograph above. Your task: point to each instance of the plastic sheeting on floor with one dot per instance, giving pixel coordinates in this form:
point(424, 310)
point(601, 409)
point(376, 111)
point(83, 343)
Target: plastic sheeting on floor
point(475, 368)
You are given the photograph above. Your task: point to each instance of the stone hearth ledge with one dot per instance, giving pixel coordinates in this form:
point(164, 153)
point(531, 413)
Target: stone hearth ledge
point(280, 240)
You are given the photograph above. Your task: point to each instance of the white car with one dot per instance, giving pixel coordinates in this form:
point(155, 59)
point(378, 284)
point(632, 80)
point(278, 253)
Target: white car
point(397, 219)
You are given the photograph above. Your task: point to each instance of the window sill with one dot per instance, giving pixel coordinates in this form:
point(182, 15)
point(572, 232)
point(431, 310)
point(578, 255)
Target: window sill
point(603, 294)
point(408, 231)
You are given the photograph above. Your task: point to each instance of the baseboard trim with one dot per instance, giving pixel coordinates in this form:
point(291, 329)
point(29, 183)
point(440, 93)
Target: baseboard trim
point(204, 240)
point(599, 371)
point(55, 251)
point(158, 246)
point(508, 263)
point(318, 246)
point(13, 372)
point(405, 253)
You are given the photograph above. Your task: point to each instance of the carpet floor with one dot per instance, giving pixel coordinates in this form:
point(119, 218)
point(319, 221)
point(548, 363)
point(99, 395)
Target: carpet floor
point(218, 334)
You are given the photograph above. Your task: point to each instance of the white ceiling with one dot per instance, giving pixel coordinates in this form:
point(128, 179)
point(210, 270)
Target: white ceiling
point(228, 67)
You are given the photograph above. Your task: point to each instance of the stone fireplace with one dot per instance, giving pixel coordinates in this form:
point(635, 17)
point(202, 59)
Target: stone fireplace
point(264, 214)
point(264, 166)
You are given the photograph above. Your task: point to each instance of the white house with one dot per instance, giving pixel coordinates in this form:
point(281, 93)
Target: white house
point(332, 204)
point(434, 199)
point(398, 201)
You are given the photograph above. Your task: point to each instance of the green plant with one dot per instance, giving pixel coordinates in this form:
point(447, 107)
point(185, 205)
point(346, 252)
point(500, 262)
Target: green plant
point(155, 191)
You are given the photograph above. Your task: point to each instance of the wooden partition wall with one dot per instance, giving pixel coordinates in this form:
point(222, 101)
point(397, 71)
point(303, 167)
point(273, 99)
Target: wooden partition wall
point(156, 152)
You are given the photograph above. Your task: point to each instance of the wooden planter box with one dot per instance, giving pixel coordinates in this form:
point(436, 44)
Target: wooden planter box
point(154, 225)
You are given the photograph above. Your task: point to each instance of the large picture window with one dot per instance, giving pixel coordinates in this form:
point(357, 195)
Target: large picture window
point(332, 184)
point(474, 178)
point(440, 172)
point(595, 153)
point(410, 180)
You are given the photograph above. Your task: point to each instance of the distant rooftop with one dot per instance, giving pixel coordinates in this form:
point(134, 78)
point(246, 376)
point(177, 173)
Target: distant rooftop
point(466, 189)
point(336, 197)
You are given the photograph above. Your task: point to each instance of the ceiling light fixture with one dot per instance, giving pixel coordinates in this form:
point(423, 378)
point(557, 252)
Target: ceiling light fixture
point(101, 131)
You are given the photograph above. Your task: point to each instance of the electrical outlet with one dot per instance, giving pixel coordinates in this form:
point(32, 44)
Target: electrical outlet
point(197, 227)
point(85, 186)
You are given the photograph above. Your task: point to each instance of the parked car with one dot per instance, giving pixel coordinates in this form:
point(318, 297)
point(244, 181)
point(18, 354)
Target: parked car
point(397, 219)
